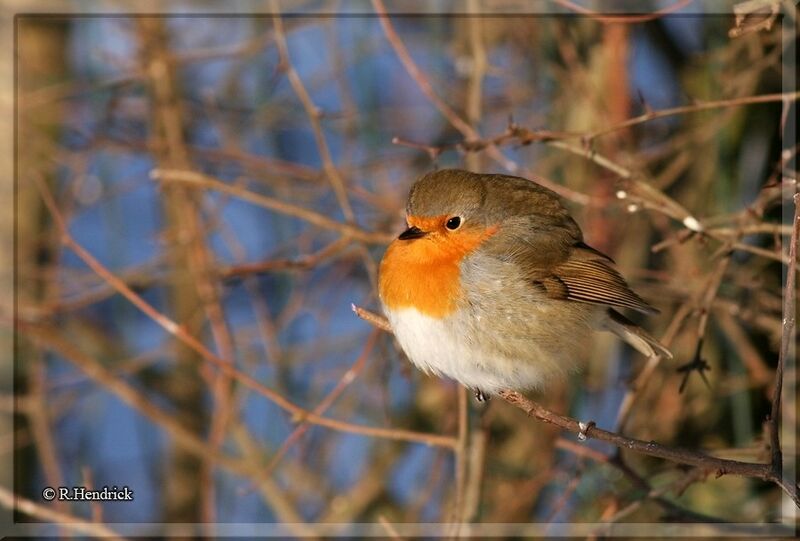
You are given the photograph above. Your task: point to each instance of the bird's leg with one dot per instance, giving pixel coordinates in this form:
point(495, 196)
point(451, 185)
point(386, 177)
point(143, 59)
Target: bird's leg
point(480, 396)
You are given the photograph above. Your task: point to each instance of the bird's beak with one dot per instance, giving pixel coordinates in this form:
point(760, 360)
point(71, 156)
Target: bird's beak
point(412, 232)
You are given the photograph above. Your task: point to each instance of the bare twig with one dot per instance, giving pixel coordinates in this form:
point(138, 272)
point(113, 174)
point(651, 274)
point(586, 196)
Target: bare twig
point(389, 527)
point(304, 262)
point(181, 334)
point(419, 77)
point(478, 445)
point(198, 180)
point(9, 500)
point(477, 72)
point(461, 459)
point(787, 338)
point(681, 456)
point(623, 19)
point(753, 9)
point(372, 318)
point(471, 135)
point(347, 378)
point(720, 466)
point(314, 114)
point(520, 135)
point(695, 107)
point(668, 505)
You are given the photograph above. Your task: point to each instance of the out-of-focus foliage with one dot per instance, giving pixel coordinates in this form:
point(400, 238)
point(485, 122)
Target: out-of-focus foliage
point(111, 107)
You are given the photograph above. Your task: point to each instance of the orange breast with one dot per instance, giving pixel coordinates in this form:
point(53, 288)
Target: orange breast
point(425, 273)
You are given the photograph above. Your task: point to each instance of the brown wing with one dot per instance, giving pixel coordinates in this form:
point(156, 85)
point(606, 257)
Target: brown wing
point(543, 239)
point(587, 276)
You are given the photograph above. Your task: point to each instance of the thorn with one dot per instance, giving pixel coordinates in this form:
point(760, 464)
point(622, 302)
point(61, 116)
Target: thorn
point(646, 106)
point(691, 99)
point(696, 364)
point(584, 427)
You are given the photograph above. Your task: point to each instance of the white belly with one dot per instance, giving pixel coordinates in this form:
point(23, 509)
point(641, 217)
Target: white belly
point(436, 346)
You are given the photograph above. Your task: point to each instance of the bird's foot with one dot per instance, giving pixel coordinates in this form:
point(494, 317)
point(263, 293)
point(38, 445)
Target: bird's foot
point(480, 396)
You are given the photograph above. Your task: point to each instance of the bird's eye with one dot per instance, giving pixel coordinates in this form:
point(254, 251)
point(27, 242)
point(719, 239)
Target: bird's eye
point(453, 223)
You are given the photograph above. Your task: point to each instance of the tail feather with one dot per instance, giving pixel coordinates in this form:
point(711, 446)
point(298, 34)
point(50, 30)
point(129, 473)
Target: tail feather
point(634, 335)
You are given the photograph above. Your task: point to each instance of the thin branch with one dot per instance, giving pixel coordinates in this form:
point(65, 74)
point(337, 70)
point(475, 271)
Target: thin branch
point(347, 378)
point(471, 135)
point(673, 509)
point(372, 318)
point(623, 19)
point(477, 72)
point(190, 341)
point(422, 81)
point(9, 500)
point(695, 107)
point(389, 527)
point(787, 339)
point(304, 262)
point(198, 180)
point(763, 252)
point(53, 340)
point(478, 444)
point(524, 136)
point(709, 463)
point(314, 113)
point(461, 465)
point(720, 466)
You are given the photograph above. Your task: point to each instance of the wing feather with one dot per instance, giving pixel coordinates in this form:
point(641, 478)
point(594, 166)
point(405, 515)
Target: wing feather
point(587, 276)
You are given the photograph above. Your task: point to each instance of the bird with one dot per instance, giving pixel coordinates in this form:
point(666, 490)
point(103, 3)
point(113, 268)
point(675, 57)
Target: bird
point(492, 285)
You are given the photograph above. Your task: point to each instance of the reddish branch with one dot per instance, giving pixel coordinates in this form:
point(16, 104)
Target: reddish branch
point(719, 466)
point(181, 334)
point(470, 134)
point(516, 134)
point(73, 523)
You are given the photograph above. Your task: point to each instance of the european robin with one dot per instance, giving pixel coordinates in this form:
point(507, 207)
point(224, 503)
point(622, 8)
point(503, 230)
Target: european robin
point(492, 285)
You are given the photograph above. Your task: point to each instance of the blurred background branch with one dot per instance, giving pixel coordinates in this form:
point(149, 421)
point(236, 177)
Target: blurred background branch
point(202, 201)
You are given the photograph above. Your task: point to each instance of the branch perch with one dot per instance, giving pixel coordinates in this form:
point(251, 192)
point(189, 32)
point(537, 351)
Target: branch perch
point(719, 466)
